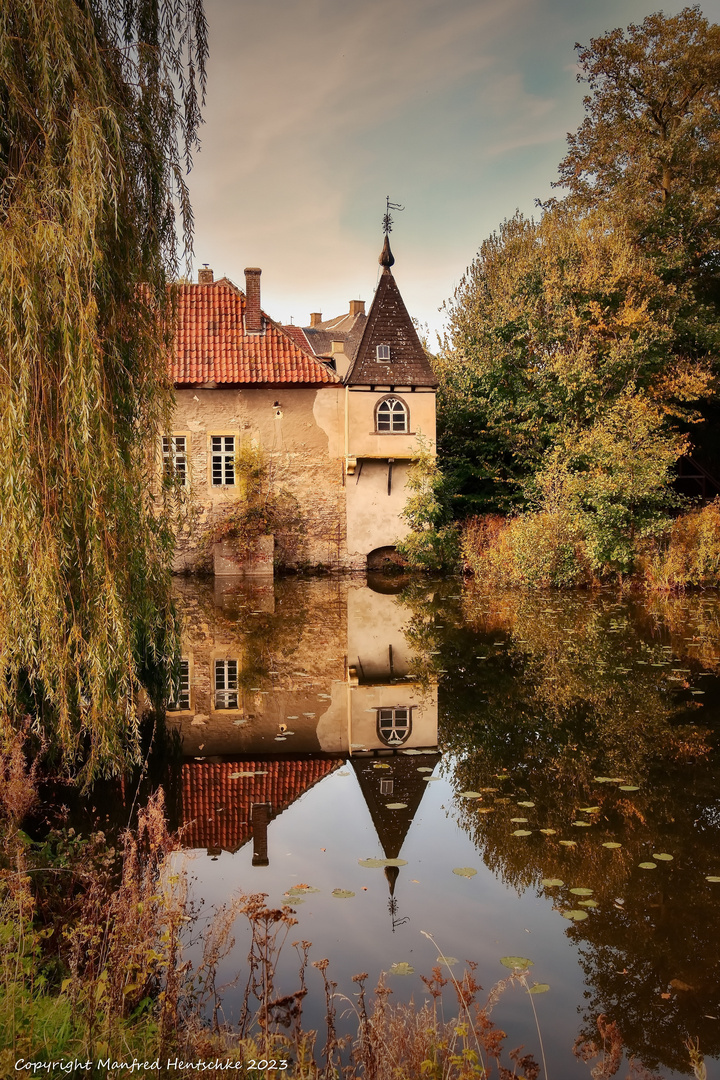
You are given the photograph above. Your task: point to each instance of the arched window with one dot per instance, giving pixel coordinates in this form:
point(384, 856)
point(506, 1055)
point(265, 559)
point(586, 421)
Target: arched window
point(394, 725)
point(392, 415)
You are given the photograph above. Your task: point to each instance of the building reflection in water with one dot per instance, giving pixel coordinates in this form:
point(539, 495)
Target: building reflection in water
point(280, 685)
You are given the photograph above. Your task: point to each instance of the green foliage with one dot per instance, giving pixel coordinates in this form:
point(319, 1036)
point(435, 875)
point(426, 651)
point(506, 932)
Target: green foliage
point(689, 552)
point(432, 543)
point(98, 109)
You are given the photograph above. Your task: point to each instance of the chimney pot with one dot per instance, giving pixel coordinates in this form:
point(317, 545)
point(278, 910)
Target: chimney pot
point(357, 307)
point(205, 275)
point(253, 314)
point(315, 318)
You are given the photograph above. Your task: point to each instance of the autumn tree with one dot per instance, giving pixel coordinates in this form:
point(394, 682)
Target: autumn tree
point(99, 109)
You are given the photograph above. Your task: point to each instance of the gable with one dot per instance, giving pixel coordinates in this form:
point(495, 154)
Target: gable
point(212, 346)
point(388, 323)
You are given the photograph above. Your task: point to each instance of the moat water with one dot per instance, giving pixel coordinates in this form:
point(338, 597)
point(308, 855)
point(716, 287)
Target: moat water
point(539, 744)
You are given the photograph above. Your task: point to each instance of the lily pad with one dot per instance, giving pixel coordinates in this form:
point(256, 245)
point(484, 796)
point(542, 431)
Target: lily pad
point(713, 878)
point(552, 882)
point(371, 864)
point(582, 824)
point(612, 844)
point(647, 865)
point(587, 809)
point(381, 765)
point(628, 787)
point(549, 832)
point(588, 903)
point(582, 892)
point(342, 894)
point(396, 805)
point(449, 960)
point(394, 862)
point(662, 856)
point(424, 768)
point(522, 832)
point(575, 915)
point(568, 843)
point(430, 779)
point(516, 963)
point(465, 871)
point(518, 820)
point(526, 804)
point(403, 968)
point(539, 988)
point(470, 795)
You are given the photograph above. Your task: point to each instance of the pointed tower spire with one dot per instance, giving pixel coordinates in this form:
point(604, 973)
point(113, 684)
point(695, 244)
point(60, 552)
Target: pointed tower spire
point(387, 258)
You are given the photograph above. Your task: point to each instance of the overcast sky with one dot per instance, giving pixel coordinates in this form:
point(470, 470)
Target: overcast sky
point(318, 109)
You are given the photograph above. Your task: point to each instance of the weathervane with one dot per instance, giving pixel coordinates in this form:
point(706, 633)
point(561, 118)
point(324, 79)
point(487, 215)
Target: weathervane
point(387, 219)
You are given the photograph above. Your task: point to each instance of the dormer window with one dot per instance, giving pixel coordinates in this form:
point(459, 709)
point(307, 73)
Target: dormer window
point(391, 416)
point(382, 352)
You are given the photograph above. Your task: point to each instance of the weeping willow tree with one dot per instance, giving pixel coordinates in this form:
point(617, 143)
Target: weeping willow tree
point(99, 110)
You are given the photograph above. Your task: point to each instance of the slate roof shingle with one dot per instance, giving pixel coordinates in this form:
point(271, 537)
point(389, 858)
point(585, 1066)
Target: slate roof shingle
point(211, 344)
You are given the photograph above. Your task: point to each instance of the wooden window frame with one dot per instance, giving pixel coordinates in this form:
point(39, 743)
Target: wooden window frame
point(390, 400)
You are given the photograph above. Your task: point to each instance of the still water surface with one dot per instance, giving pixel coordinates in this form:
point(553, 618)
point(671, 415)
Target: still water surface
point(529, 738)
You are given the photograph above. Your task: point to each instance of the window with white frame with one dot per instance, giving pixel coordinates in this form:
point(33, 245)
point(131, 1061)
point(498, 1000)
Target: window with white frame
point(382, 352)
point(386, 787)
point(175, 458)
point(222, 449)
point(226, 684)
point(180, 691)
point(394, 725)
point(392, 416)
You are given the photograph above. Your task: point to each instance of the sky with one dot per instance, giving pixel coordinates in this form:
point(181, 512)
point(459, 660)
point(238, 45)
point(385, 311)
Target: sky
point(317, 110)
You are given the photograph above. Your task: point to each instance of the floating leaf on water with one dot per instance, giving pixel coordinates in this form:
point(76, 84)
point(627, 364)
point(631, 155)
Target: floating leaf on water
point(678, 984)
point(403, 968)
point(381, 765)
point(292, 717)
point(662, 856)
point(411, 752)
point(396, 805)
point(526, 804)
point(587, 809)
point(449, 960)
point(552, 882)
point(582, 892)
point(280, 738)
point(488, 789)
point(539, 988)
point(518, 819)
point(568, 843)
point(576, 915)
point(609, 779)
point(628, 787)
point(549, 832)
point(501, 801)
point(395, 862)
point(470, 795)
point(516, 963)
point(522, 832)
point(582, 824)
point(485, 809)
point(430, 779)
point(465, 871)
point(502, 776)
point(647, 865)
point(342, 894)
point(713, 878)
point(343, 772)
point(588, 903)
point(371, 864)
point(424, 768)
point(612, 844)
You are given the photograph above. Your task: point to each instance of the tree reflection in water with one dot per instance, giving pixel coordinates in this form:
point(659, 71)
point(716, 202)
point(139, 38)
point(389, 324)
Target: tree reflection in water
point(540, 696)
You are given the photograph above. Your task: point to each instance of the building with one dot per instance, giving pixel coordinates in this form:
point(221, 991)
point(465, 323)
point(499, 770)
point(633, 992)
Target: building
point(292, 445)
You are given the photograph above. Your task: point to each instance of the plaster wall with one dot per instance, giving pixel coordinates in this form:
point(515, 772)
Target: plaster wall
point(374, 517)
point(301, 431)
point(366, 442)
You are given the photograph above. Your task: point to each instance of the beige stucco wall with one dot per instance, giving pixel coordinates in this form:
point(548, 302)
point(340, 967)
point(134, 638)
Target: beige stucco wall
point(365, 442)
point(301, 437)
point(373, 517)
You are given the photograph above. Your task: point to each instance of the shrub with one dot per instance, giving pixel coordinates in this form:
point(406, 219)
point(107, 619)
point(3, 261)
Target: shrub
point(536, 550)
point(690, 552)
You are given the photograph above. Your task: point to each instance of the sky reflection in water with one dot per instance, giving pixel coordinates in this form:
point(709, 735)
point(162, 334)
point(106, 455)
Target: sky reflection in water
point(598, 712)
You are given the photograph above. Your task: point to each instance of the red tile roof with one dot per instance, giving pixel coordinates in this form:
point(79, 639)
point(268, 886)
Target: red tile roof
point(211, 344)
point(216, 811)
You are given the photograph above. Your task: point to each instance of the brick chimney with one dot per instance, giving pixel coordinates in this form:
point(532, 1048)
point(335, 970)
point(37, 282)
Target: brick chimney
point(253, 317)
point(357, 307)
point(260, 817)
point(315, 317)
point(205, 275)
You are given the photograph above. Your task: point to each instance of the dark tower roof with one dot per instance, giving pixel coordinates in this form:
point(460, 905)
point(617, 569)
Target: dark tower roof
point(388, 323)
